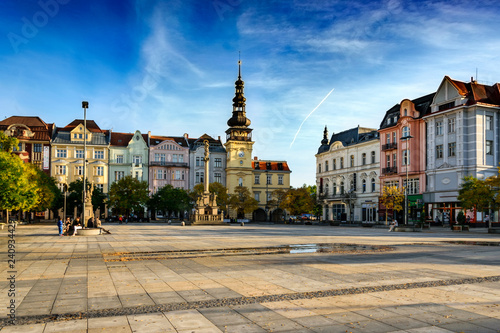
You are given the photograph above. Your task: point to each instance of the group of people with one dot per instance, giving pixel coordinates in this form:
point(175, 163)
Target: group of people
point(69, 228)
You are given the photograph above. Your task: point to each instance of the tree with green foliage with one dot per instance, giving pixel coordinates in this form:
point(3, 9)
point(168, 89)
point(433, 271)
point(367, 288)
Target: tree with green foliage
point(170, 200)
point(7, 143)
point(48, 192)
point(299, 200)
point(392, 198)
point(317, 208)
point(215, 187)
point(475, 194)
point(242, 201)
point(17, 190)
point(128, 195)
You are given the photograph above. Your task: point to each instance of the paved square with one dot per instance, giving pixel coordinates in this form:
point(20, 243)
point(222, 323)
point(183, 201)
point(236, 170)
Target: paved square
point(168, 278)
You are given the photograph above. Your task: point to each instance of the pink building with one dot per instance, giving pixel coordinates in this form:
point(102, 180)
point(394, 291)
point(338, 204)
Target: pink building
point(403, 152)
point(168, 162)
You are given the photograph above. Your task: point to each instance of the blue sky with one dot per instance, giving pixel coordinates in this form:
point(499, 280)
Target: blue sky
point(169, 66)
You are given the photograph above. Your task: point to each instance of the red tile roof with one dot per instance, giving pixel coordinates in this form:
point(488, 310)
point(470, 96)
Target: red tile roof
point(120, 139)
point(270, 165)
point(25, 120)
point(91, 126)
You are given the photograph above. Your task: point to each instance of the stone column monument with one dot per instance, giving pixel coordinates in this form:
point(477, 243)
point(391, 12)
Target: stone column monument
point(206, 209)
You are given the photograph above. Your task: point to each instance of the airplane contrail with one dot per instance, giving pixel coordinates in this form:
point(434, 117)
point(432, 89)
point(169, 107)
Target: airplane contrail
point(308, 117)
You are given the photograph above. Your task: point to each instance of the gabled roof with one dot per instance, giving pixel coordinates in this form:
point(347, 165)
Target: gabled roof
point(476, 92)
point(25, 120)
point(91, 126)
point(215, 145)
point(270, 165)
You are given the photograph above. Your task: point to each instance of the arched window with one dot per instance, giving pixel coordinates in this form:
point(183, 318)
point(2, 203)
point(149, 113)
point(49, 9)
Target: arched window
point(341, 187)
point(352, 161)
point(373, 157)
point(334, 188)
point(363, 159)
point(364, 185)
point(319, 168)
point(240, 181)
point(326, 189)
point(373, 184)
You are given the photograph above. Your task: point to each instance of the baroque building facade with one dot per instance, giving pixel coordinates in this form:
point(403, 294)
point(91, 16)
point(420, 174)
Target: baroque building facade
point(347, 175)
point(128, 156)
point(168, 162)
point(68, 153)
point(462, 140)
point(34, 137)
point(403, 153)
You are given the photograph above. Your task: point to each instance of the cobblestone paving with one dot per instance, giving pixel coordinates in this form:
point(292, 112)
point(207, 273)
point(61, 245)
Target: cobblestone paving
point(168, 278)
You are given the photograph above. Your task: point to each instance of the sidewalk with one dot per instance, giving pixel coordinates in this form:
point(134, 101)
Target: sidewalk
point(166, 278)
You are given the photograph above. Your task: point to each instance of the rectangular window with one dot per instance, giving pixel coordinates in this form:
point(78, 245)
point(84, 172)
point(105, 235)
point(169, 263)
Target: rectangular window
point(99, 154)
point(37, 148)
point(99, 171)
point(326, 166)
point(79, 170)
point(280, 179)
point(61, 169)
point(137, 159)
point(257, 179)
point(159, 174)
point(489, 123)
point(257, 196)
point(388, 158)
point(341, 162)
point(100, 187)
point(79, 154)
point(197, 180)
point(218, 162)
point(394, 137)
point(119, 158)
point(218, 177)
point(177, 175)
point(174, 158)
point(181, 158)
point(61, 153)
point(197, 161)
point(119, 175)
point(334, 164)
point(413, 185)
point(451, 125)
point(137, 175)
point(452, 149)
point(268, 181)
point(439, 151)
point(406, 157)
point(394, 160)
point(388, 138)
point(439, 128)
point(202, 178)
point(489, 147)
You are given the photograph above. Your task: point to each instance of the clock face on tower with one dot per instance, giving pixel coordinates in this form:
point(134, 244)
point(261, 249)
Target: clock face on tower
point(241, 153)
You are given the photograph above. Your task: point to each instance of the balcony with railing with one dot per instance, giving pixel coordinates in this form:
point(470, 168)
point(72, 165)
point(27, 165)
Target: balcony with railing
point(169, 164)
point(389, 170)
point(390, 146)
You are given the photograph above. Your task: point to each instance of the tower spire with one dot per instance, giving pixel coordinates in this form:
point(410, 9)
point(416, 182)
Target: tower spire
point(325, 137)
point(239, 118)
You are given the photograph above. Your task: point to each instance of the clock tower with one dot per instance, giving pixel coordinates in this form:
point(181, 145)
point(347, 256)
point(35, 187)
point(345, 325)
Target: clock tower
point(239, 142)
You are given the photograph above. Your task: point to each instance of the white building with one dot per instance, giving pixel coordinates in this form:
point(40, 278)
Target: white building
point(347, 172)
point(462, 140)
point(217, 161)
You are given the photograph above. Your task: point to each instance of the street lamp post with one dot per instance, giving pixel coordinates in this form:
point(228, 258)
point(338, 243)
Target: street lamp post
point(407, 139)
point(85, 105)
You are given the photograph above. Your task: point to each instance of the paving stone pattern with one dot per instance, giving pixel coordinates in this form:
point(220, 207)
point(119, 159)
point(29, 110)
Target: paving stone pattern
point(169, 278)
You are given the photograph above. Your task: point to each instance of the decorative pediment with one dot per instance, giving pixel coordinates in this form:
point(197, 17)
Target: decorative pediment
point(19, 131)
point(444, 166)
point(336, 145)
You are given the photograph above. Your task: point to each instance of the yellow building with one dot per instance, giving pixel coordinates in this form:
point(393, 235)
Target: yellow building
point(243, 170)
point(68, 152)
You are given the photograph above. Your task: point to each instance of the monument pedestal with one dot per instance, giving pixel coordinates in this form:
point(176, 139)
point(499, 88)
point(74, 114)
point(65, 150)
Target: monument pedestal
point(207, 211)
